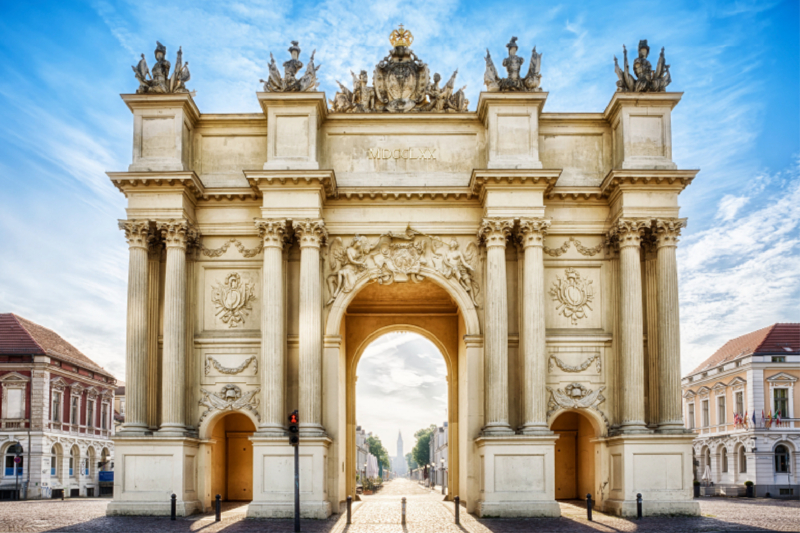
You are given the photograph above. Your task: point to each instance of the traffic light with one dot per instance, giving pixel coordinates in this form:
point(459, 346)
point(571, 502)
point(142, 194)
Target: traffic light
point(294, 419)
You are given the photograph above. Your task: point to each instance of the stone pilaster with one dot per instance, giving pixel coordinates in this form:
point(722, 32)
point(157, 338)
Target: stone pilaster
point(275, 235)
point(176, 234)
point(493, 233)
point(153, 325)
point(669, 336)
point(532, 332)
point(629, 234)
point(311, 234)
point(137, 233)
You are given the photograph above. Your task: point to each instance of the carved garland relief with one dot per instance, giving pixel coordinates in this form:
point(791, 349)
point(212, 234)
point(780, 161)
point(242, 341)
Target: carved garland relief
point(246, 252)
point(557, 252)
point(555, 361)
point(573, 294)
point(233, 299)
point(210, 361)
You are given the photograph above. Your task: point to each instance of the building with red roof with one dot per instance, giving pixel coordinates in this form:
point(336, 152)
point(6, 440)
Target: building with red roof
point(57, 404)
point(743, 403)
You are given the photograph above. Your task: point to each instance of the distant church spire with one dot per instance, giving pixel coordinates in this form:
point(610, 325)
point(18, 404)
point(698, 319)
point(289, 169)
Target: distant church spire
point(400, 444)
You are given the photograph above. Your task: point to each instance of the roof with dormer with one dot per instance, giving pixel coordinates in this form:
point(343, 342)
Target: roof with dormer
point(777, 339)
point(20, 336)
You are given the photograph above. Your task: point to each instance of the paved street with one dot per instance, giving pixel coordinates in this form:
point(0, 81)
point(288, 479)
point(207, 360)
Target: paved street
point(380, 513)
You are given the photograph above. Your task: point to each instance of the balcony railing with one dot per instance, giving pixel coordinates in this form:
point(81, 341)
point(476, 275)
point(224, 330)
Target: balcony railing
point(13, 423)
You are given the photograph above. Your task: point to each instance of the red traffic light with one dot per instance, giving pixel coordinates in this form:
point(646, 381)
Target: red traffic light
point(294, 418)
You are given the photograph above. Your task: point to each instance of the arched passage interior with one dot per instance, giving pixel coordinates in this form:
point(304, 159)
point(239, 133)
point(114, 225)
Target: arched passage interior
point(232, 457)
point(575, 455)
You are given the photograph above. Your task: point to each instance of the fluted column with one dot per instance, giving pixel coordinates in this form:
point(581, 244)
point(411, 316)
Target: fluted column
point(275, 235)
point(153, 323)
point(629, 233)
point(532, 232)
point(311, 234)
point(176, 234)
point(669, 335)
point(494, 232)
point(137, 233)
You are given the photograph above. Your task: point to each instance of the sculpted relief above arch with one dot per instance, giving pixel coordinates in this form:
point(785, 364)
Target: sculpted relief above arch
point(400, 257)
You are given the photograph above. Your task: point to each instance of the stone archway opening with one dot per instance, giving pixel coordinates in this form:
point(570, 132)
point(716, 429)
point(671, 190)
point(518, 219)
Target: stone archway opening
point(232, 457)
point(425, 309)
point(574, 455)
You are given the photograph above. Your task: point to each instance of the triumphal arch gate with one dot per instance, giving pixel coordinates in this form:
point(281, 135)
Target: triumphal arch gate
point(536, 250)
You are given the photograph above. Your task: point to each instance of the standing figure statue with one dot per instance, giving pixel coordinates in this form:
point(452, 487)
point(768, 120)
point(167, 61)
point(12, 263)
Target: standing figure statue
point(513, 65)
point(347, 264)
point(160, 81)
point(289, 82)
point(647, 80)
point(455, 264)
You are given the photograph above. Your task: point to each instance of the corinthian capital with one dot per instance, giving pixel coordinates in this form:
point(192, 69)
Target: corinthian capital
point(273, 231)
point(628, 232)
point(310, 232)
point(668, 230)
point(137, 232)
point(177, 233)
point(532, 231)
point(495, 231)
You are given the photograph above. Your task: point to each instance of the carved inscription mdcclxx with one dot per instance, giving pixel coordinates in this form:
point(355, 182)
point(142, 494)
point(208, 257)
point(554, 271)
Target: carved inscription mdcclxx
point(402, 153)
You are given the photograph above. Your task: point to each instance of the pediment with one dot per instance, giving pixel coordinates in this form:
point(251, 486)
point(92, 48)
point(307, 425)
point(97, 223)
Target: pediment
point(14, 377)
point(782, 377)
point(703, 391)
point(689, 394)
point(719, 385)
point(58, 383)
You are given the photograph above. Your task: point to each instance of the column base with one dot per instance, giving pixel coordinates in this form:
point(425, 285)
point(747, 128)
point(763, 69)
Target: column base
point(517, 476)
point(676, 427)
point(497, 430)
point(312, 430)
point(273, 478)
point(172, 430)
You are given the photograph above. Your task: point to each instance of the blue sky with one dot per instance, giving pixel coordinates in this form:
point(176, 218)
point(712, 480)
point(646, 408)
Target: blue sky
point(62, 125)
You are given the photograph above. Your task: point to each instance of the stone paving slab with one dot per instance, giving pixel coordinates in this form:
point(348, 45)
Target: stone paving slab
point(380, 513)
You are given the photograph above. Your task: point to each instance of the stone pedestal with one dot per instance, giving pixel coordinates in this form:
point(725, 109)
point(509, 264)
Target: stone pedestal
point(293, 121)
point(273, 478)
point(512, 128)
point(150, 470)
point(657, 466)
point(517, 476)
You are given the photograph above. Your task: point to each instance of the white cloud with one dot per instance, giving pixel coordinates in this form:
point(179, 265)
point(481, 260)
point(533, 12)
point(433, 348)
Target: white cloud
point(729, 205)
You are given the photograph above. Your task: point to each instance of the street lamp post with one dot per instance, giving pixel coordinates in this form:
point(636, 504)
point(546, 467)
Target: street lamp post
point(444, 473)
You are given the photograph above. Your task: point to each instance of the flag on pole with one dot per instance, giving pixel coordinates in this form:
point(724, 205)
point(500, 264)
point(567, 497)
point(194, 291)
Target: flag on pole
point(746, 420)
point(754, 419)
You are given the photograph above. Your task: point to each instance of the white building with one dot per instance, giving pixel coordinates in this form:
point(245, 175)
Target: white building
point(438, 453)
point(757, 374)
point(66, 400)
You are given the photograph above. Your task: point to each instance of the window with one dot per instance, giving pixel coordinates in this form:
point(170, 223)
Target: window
point(55, 413)
point(104, 416)
point(724, 457)
point(90, 414)
point(16, 403)
point(74, 461)
point(720, 410)
point(742, 460)
point(53, 461)
point(781, 459)
point(705, 413)
point(691, 416)
point(740, 403)
point(74, 420)
point(778, 359)
point(10, 456)
point(781, 401)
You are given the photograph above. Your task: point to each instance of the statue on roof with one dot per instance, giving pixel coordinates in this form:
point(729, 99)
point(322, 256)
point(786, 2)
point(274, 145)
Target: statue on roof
point(513, 65)
point(401, 84)
point(647, 80)
point(289, 82)
point(160, 81)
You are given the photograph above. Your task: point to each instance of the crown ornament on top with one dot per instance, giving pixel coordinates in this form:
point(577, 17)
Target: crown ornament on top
point(401, 37)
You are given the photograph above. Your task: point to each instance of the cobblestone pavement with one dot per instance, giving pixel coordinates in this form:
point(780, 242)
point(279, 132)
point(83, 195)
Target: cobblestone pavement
point(380, 513)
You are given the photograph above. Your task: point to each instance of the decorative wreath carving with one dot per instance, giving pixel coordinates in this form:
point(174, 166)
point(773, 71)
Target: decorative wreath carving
point(246, 252)
point(210, 361)
point(555, 361)
point(574, 294)
point(583, 250)
point(233, 300)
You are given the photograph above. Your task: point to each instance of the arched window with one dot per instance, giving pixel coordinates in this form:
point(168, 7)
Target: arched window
point(742, 460)
point(781, 459)
point(708, 457)
point(10, 456)
point(105, 464)
point(724, 457)
point(74, 461)
point(53, 461)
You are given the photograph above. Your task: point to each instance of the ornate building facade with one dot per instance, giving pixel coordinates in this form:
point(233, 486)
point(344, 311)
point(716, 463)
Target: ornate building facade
point(743, 403)
point(58, 404)
point(536, 250)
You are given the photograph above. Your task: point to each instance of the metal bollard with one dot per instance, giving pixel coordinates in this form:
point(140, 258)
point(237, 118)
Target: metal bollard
point(457, 501)
point(639, 505)
point(218, 509)
point(589, 507)
point(403, 515)
point(62, 494)
point(173, 507)
point(349, 509)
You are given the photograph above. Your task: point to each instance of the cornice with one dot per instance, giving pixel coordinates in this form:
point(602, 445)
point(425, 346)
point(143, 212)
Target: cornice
point(514, 178)
point(231, 193)
point(620, 99)
point(405, 193)
point(317, 99)
point(509, 99)
point(647, 178)
point(262, 180)
point(128, 182)
point(163, 101)
point(250, 120)
point(580, 194)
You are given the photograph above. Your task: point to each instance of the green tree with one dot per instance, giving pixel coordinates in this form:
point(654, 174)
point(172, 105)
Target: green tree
point(422, 449)
point(376, 448)
point(412, 464)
